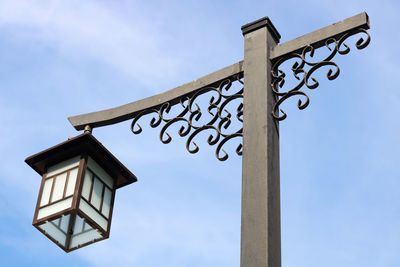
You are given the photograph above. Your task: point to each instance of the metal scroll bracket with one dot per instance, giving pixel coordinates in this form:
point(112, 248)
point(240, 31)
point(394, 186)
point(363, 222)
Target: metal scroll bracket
point(218, 83)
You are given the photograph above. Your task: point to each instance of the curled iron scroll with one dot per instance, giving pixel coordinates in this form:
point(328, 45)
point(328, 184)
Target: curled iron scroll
point(303, 69)
point(190, 114)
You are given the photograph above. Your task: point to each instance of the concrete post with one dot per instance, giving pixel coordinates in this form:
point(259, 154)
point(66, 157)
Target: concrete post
point(260, 229)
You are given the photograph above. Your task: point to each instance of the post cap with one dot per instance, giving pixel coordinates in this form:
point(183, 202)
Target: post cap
point(263, 22)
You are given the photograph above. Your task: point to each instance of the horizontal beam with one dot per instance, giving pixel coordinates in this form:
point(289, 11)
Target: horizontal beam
point(317, 38)
point(128, 111)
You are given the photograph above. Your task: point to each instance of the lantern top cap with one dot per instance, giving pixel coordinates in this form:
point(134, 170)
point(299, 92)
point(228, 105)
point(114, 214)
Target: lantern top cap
point(84, 144)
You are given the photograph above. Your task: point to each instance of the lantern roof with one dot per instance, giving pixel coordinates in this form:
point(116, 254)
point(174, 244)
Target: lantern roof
point(84, 144)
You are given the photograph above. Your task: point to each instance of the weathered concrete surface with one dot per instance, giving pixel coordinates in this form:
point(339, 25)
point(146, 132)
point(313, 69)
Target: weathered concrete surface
point(260, 229)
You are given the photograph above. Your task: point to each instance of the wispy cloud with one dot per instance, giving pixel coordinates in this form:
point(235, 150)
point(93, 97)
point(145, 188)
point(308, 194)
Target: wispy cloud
point(90, 29)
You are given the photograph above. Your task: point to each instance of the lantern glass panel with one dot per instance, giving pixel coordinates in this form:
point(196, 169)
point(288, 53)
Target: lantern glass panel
point(83, 233)
point(58, 187)
point(54, 208)
point(63, 166)
point(87, 183)
point(57, 229)
point(46, 192)
point(93, 214)
point(71, 182)
point(106, 202)
point(96, 194)
point(100, 173)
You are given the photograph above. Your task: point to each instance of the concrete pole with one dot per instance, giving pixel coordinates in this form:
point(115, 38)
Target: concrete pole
point(260, 229)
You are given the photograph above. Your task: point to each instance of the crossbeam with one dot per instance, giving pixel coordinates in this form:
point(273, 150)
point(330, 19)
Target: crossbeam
point(130, 110)
point(318, 38)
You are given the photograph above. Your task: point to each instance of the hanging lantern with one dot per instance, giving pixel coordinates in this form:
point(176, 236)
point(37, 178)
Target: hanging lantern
point(76, 197)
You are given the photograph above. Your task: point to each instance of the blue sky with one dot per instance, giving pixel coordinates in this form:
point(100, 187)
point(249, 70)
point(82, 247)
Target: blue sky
point(339, 157)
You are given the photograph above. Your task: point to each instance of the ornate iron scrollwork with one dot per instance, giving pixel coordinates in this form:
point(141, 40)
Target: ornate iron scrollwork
point(190, 114)
point(303, 69)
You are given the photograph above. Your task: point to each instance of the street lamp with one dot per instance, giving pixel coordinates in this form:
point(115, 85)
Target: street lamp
point(261, 92)
point(76, 197)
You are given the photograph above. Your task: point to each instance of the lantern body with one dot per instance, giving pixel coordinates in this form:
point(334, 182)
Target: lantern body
point(76, 197)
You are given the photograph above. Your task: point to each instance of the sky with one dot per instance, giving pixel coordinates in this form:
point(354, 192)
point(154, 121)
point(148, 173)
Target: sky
point(340, 178)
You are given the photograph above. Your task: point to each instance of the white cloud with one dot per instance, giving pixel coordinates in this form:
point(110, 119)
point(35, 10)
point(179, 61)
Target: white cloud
point(89, 28)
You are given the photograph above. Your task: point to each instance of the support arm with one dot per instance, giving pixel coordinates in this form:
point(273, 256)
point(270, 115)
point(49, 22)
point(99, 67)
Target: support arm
point(129, 111)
